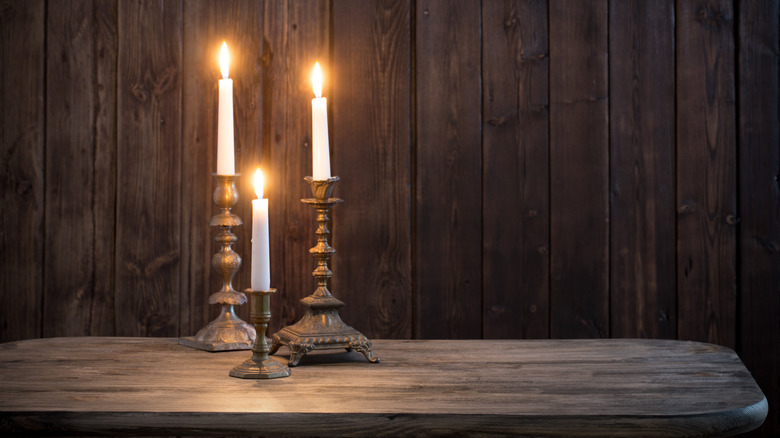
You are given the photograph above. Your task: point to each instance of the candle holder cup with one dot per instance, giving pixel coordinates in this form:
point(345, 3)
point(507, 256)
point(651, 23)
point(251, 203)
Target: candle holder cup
point(227, 331)
point(260, 365)
point(321, 327)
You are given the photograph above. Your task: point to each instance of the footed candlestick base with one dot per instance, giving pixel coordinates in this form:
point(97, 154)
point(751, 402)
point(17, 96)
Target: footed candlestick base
point(321, 327)
point(260, 366)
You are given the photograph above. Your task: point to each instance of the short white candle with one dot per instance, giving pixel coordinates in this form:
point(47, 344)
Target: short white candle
point(225, 153)
point(261, 258)
point(319, 124)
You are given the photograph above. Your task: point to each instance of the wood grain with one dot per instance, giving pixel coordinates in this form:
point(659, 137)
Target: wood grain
point(296, 35)
point(706, 172)
point(579, 169)
point(759, 199)
point(448, 220)
point(206, 25)
point(80, 168)
point(529, 388)
point(22, 127)
point(642, 163)
point(515, 171)
point(148, 168)
point(371, 142)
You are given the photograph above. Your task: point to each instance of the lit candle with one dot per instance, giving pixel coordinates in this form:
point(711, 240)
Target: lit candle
point(225, 155)
point(319, 124)
point(261, 258)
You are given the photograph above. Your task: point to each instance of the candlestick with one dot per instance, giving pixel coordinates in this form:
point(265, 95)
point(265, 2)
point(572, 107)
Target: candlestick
point(227, 331)
point(260, 366)
point(319, 126)
point(321, 327)
point(225, 142)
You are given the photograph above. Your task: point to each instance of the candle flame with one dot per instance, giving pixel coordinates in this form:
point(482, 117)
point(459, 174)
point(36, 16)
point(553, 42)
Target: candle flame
point(259, 183)
point(316, 80)
point(224, 60)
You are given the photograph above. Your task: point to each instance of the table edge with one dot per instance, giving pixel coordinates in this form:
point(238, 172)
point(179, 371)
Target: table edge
point(377, 424)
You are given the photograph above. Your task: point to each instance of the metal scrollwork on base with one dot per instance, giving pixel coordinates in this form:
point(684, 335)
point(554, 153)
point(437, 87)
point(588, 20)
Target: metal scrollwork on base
point(321, 327)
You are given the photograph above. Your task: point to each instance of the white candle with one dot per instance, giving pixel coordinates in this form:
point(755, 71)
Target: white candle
point(319, 125)
point(261, 258)
point(225, 154)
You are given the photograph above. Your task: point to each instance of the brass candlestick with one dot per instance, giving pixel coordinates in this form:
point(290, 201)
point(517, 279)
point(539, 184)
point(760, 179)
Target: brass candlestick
point(321, 326)
point(227, 331)
point(260, 366)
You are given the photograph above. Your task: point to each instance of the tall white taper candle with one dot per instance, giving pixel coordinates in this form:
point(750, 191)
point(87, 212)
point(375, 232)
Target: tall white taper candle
point(225, 152)
point(319, 125)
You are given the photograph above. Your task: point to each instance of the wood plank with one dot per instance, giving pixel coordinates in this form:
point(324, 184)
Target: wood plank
point(80, 168)
point(642, 152)
point(297, 34)
point(103, 318)
point(706, 172)
point(22, 125)
point(447, 211)
point(371, 143)
point(611, 387)
point(759, 199)
point(148, 168)
point(515, 177)
point(206, 25)
point(579, 170)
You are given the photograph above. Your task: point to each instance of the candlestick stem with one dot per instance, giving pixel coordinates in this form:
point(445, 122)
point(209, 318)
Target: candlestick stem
point(321, 326)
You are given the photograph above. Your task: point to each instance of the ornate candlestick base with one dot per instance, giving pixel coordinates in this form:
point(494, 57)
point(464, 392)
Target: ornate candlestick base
point(321, 327)
point(227, 331)
point(260, 366)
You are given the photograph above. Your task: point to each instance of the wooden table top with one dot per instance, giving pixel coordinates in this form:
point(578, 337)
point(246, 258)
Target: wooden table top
point(607, 387)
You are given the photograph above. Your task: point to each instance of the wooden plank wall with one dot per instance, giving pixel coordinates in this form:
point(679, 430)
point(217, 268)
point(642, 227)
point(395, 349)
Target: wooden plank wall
point(511, 169)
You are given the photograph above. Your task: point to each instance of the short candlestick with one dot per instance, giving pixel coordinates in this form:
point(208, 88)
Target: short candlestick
point(321, 326)
point(227, 331)
point(260, 365)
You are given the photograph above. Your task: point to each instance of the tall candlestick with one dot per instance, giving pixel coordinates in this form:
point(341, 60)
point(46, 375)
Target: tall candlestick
point(225, 154)
point(319, 124)
point(261, 259)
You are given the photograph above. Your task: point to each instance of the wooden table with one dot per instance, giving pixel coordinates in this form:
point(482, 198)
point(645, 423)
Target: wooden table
point(557, 387)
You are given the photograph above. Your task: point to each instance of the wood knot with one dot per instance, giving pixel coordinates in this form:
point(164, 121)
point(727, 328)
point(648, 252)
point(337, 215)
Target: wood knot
point(165, 81)
point(771, 246)
point(24, 188)
point(710, 18)
point(687, 207)
point(510, 23)
point(268, 54)
point(496, 121)
point(139, 92)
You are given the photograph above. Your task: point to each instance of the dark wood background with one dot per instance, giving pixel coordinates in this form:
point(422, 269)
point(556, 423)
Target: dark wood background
point(510, 169)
